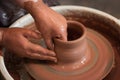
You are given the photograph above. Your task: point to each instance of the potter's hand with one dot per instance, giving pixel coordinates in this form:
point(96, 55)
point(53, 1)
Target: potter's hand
point(50, 23)
point(17, 41)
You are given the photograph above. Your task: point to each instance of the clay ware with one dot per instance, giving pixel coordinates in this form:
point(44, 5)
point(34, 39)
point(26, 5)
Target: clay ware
point(81, 57)
point(76, 48)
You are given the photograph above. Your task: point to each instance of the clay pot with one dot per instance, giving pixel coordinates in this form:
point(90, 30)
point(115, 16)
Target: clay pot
point(80, 57)
point(76, 48)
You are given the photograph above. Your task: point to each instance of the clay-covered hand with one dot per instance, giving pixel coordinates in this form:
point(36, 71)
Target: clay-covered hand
point(17, 40)
point(49, 23)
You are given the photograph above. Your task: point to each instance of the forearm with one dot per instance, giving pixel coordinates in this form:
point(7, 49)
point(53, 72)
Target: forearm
point(33, 7)
point(37, 9)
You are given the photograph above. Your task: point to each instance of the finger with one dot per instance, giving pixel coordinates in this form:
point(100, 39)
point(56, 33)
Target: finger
point(60, 34)
point(38, 49)
point(32, 34)
point(63, 37)
point(37, 31)
point(49, 42)
point(41, 57)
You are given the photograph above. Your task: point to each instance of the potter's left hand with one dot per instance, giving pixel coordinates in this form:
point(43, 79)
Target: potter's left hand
point(18, 41)
point(49, 23)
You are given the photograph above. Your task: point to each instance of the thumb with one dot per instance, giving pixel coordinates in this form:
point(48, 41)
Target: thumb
point(49, 43)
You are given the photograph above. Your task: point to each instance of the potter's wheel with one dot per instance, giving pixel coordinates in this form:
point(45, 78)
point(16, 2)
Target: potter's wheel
point(100, 64)
point(97, 22)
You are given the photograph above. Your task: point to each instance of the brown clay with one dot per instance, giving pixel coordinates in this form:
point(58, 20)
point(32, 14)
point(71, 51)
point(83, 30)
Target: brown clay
point(107, 30)
point(76, 71)
point(81, 57)
point(74, 53)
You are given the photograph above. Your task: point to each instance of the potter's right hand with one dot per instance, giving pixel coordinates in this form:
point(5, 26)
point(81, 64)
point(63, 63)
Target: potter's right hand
point(50, 23)
point(17, 41)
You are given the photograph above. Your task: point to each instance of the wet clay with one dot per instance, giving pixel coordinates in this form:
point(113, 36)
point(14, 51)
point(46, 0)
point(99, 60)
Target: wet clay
point(108, 31)
point(112, 40)
point(102, 27)
point(75, 68)
point(78, 58)
point(74, 51)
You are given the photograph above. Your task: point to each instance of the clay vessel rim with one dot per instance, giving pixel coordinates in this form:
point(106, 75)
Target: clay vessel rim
point(78, 39)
